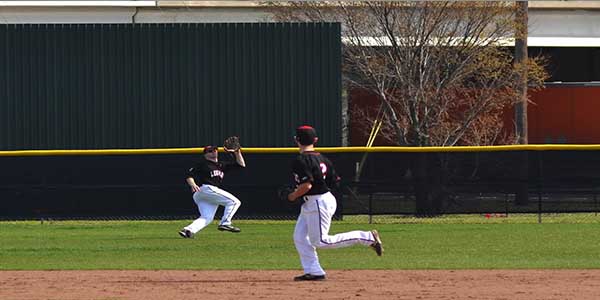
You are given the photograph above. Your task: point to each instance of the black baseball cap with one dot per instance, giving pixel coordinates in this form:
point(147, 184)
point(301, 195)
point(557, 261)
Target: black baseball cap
point(305, 135)
point(210, 148)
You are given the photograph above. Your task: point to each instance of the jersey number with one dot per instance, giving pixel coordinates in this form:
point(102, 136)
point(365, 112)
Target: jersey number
point(323, 169)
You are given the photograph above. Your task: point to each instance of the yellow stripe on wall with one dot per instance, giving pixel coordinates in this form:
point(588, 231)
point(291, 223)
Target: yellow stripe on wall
point(549, 147)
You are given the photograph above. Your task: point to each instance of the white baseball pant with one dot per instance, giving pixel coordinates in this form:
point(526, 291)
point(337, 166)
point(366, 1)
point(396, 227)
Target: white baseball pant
point(208, 199)
point(312, 231)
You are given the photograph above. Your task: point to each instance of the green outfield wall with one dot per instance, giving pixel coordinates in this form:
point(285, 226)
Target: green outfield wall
point(131, 86)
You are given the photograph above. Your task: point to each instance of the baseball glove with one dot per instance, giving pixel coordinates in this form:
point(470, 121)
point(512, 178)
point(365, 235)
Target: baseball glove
point(283, 192)
point(232, 144)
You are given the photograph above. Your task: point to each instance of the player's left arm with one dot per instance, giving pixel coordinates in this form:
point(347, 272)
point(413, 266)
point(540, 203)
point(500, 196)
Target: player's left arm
point(236, 162)
point(232, 145)
point(239, 158)
point(333, 179)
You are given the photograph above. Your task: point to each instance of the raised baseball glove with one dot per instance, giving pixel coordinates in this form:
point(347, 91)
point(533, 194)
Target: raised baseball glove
point(283, 192)
point(232, 144)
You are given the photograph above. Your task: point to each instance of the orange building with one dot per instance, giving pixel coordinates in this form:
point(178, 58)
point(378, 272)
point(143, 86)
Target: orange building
point(561, 113)
point(565, 114)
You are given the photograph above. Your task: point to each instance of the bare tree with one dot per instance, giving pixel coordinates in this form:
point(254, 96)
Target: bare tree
point(438, 68)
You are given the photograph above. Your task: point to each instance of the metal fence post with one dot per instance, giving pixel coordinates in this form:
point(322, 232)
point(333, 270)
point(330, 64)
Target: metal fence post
point(370, 207)
point(506, 204)
point(539, 206)
point(539, 186)
point(595, 202)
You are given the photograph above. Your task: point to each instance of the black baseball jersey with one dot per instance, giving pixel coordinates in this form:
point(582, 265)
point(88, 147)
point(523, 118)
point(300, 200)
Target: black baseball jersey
point(313, 167)
point(210, 172)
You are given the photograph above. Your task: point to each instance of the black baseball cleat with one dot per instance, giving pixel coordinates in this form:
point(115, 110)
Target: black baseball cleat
point(229, 228)
point(309, 277)
point(186, 234)
point(377, 244)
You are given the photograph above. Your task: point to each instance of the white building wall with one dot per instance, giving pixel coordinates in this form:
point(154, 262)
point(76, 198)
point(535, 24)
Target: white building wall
point(203, 15)
point(575, 26)
point(37, 15)
point(564, 23)
point(41, 15)
point(564, 28)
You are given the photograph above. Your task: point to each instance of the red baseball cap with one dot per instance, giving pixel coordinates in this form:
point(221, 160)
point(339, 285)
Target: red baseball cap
point(210, 148)
point(306, 135)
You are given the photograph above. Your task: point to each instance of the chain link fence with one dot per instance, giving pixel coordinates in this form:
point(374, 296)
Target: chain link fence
point(419, 184)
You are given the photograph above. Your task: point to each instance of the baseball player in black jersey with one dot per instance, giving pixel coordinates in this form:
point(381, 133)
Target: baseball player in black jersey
point(315, 175)
point(204, 179)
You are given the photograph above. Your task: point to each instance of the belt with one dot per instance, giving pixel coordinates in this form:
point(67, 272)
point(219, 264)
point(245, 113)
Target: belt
point(307, 198)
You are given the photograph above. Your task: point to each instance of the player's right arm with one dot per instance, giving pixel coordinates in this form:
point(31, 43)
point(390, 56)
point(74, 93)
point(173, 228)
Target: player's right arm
point(190, 180)
point(303, 178)
point(192, 183)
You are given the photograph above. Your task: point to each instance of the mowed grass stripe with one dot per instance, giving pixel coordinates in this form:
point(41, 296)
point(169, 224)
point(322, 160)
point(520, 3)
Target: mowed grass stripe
point(155, 245)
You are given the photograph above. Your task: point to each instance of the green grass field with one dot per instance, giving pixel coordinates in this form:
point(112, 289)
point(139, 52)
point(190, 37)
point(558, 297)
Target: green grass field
point(455, 242)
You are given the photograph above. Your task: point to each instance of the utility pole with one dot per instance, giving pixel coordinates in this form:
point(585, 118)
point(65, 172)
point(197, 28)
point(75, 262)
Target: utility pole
point(522, 172)
point(521, 58)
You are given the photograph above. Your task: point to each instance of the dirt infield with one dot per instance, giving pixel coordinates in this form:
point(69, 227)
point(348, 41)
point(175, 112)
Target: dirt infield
point(371, 284)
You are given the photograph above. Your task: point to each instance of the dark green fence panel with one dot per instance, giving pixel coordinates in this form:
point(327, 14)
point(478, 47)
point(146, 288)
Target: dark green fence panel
point(97, 86)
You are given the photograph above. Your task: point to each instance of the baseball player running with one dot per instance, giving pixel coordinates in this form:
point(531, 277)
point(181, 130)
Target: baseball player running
point(314, 175)
point(204, 179)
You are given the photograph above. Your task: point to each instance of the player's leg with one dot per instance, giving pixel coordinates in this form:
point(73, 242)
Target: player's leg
point(231, 205)
point(320, 222)
point(207, 211)
point(307, 252)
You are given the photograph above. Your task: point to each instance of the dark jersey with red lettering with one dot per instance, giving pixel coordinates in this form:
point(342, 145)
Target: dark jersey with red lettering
point(317, 169)
point(210, 172)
